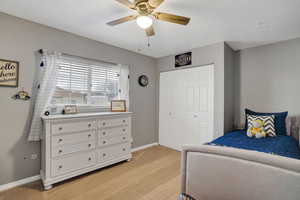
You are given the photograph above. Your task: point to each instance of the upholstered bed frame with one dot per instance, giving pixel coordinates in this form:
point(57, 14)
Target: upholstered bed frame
point(224, 173)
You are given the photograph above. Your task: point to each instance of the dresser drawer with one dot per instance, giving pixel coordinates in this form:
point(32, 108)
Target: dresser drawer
point(113, 140)
point(113, 152)
point(111, 132)
point(75, 138)
point(72, 163)
point(74, 126)
point(73, 148)
point(104, 123)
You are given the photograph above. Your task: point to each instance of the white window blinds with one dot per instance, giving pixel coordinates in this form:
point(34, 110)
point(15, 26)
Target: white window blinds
point(104, 80)
point(73, 77)
point(85, 82)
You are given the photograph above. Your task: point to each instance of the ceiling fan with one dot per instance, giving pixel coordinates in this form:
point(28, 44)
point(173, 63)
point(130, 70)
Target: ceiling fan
point(145, 15)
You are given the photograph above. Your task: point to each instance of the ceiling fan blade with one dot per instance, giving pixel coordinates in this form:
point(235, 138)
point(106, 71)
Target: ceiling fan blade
point(126, 3)
point(155, 3)
point(150, 31)
point(122, 20)
point(172, 18)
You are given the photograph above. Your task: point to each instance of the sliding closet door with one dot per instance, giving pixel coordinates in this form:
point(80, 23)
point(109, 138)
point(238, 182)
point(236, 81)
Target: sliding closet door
point(186, 107)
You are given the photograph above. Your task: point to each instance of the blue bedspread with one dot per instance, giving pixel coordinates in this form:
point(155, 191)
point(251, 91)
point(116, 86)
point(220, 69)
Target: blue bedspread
point(279, 145)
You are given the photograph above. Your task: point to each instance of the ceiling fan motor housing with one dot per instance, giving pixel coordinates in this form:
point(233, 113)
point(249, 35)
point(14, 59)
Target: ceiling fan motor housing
point(143, 7)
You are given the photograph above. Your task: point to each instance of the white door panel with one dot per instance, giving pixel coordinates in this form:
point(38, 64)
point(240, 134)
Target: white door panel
point(186, 107)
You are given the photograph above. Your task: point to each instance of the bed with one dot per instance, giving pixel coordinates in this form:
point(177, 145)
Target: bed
point(235, 167)
point(282, 145)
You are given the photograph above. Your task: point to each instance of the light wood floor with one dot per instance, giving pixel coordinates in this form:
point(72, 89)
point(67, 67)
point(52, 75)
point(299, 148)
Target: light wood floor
point(153, 174)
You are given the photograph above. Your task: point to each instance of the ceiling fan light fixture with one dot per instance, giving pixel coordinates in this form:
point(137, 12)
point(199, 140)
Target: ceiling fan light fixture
point(144, 22)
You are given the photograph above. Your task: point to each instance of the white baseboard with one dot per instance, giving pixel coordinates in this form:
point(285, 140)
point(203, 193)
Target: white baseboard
point(144, 147)
point(19, 182)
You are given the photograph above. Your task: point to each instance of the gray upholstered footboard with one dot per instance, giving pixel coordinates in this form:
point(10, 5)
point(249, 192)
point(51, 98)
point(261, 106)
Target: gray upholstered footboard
point(222, 173)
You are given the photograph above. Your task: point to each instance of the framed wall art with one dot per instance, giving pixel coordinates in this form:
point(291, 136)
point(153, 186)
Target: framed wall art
point(9, 73)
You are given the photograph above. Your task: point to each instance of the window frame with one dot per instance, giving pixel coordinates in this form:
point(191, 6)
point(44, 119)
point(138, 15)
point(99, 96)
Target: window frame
point(88, 107)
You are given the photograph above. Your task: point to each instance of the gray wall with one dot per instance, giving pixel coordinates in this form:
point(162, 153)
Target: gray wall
point(229, 88)
point(269, 79)
point(19, 40)
point(204, 56)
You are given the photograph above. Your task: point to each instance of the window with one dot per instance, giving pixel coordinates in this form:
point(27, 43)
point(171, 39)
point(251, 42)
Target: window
point(89, 83)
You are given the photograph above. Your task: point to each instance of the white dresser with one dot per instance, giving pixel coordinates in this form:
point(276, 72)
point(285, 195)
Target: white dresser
point(79, 143)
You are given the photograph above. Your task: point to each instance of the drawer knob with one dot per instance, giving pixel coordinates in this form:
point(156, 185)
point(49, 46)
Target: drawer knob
point(60, 128)
point(124, 120)
point(104, 142)
point(124, 138)
point(104, 133)
point(60, 151)
point(104, 154)
point(89, 125)
point(90, 158)
point(89, 135)
point(60, 166)
point(124, 129)
point(124, 149)
point(60, 140)
point(90, 145)
point(103, 123)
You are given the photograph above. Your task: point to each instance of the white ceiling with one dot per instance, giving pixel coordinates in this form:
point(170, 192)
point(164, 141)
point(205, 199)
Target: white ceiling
point(242, 23)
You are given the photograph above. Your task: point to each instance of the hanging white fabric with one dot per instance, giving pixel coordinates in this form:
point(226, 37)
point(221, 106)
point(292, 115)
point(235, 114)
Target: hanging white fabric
point(47, 83)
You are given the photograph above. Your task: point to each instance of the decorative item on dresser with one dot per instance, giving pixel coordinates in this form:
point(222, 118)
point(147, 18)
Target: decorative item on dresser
point(118, 106)
point(80, 143)
point(70, 109)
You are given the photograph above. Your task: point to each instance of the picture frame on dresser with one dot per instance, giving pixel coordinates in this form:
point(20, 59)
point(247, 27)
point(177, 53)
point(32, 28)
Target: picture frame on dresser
point(118, 106)
point(70, 109)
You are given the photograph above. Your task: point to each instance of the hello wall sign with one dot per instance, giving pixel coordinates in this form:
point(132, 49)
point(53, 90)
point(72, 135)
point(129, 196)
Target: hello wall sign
point(9, 73)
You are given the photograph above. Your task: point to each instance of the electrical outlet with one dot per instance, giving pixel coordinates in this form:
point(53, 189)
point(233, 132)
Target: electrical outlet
point(33, 156)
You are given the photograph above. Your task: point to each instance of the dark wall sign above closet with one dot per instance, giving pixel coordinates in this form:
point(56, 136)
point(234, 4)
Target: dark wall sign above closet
point(183, 59)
